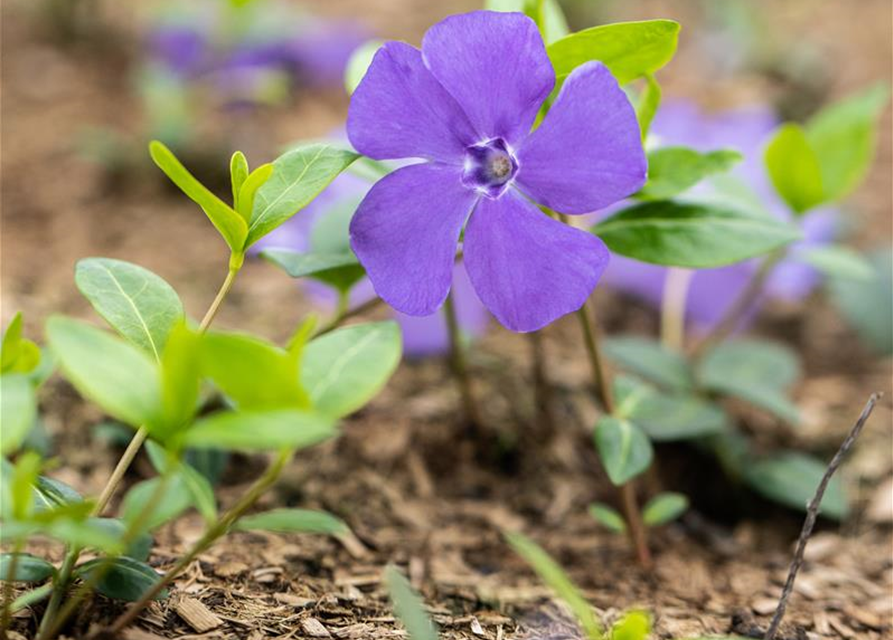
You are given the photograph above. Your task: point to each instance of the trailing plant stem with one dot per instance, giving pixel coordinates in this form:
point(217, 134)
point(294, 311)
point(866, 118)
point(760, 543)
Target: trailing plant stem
point(606, 396)
point(347, 314)
point(210, 536)
point(457, 357)
point(7, 588)
point(672, 315)
point(751, 293)
point(71, 557)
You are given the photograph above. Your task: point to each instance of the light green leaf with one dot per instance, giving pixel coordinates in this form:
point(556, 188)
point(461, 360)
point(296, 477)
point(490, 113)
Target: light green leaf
point(28, 568)
point(125, 579)
point(664, 508)
point(634, 625)
point(255, 181)
point(146, 509)
point(624, 449)
point(199, 487)
point(629, 49)
point(755, 371)
point(338, 270)
point(117, 376)
point(135, 302)
point(229, 223)
point(359, 62)
point(794, 168)
point(17, 355)
point(180, 372)
point(552, 23)
point(409, 606)
point(648, 104)
point(554, 576)
point(238, 173)
point(651, 360)
point(139, 548)
point(672, 170)
point(346, 368)
point(791, 479)
point(293, 521)
point(666, 417)
point(84, 534)
point(607, 517)
point(261, 431)
point(698, 236)
point(18, 410)
point(844, 137)
point(866, 305)
point(253, 373)
point(837, 261)
point(298, 177)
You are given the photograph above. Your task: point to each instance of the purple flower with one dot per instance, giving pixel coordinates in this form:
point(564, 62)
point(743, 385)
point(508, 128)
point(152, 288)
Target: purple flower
point(712, 291)
point(465, 104)
point(422, 336)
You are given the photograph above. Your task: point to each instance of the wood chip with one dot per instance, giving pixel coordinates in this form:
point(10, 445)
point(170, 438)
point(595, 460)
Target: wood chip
point(197, 615)
point(135, 633)
point(230, 569)
point(313, 628)
point(476, 627)
point(294, 601)
point(764, 606)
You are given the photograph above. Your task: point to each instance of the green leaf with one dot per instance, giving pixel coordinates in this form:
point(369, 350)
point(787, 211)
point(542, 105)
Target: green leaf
point(409, 606)
point(794, 169)
point(28, 568)
point(17, 354)
point(672, 170)
point(624, 449)
point(665, 417)
point(607, 517)
point(554, 576)
point(359, 62)
point(180, 372)
point(229, 223)
point(664, 508)
point(146, 509)
point(634, 625)
point(261, 431)
point(844, 137)
point(54, 493)
point(117, 376)
point(255, 181)
point(293, 521)
point(139, 548)
point(630, 50)
point(24, 475)
point(651, 360)
point(199, 487)
point(238, 173)
point(253, 373)
point(755, 371)
point(124, 579)
point(791, 479)
point(134, 301)
point(84, 534)
point(18, 410)
point(866, 305)
point(648, 104)
point(836, 260)
point(298, 177)
point(338, 270)
point(346, 368)
point(698, 236)
point(552, 23)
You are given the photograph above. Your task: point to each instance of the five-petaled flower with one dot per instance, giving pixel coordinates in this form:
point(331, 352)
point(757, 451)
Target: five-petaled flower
point(465, 104)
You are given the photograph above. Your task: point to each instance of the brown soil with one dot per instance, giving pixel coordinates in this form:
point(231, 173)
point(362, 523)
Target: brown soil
point(417, 488)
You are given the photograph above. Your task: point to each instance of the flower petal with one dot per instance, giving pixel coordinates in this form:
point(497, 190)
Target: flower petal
point(399, 110)
point(587, 153)
point(495, 65)
point(405, 233)
point(527, 268)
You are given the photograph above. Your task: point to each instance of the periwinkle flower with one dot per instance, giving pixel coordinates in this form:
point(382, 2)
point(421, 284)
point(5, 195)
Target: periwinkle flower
point(712, 291)
point(465, 104)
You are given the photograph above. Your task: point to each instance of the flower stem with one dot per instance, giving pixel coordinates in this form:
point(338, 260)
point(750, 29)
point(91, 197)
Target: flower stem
point(220, 528)
point(71, 557)
point(457, 358)
point(606, 396)
point(672, 313)
point(542, 391)
point(347, 314)
point(751, 293)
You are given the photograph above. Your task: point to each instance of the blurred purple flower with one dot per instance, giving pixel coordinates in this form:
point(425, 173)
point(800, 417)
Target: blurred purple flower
point(422, 336)
point(712, 291)
point(179, 48)
point(465, 103)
